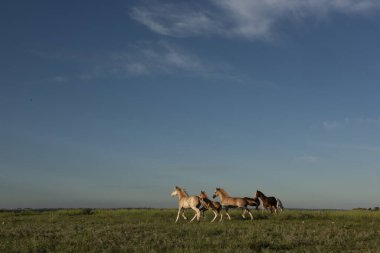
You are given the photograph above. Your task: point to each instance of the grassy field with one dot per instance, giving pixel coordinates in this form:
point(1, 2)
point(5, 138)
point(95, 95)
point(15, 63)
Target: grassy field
point(154, 230)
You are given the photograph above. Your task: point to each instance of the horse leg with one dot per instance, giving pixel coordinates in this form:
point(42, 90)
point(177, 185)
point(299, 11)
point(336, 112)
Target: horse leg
point(216, 215)
point(197, 214)
point(183, 214)
point(221, 216)
point(203, 213)
point(243, 215)
point(193, 218)
point(250, 214)
point(179, 211)
point(228, 215)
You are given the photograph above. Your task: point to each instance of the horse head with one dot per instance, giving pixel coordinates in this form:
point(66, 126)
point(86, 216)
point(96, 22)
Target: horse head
point(259, 194)
point(203, 195)
point(175, 191)
point(216, 193)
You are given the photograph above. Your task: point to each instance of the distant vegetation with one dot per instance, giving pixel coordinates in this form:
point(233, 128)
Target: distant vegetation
point(376, 208)
point(154, 230)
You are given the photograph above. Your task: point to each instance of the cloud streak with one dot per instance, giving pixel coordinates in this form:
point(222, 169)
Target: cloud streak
point(164, 58)
point(176, 19)
point(329, 125)
point(147, 58)
point(252, 19)
point(157, 58)
point(307, 159)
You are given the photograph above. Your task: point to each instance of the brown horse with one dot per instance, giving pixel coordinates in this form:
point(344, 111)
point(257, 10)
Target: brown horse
point(208, 204)
point(185, 202)
point(232, 202)
point(269, 203)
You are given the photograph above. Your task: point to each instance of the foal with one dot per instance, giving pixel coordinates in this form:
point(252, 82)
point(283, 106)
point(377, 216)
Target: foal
point(185, 202)
point(232, 202)
point(214, 206)
point(269, 203)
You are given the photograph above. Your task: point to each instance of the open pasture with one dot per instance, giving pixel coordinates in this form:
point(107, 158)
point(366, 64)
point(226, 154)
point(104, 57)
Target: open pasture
point(154, 230)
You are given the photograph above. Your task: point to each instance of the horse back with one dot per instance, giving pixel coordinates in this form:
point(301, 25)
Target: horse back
point(272, 201)
point(192, 201)
point(235, 202)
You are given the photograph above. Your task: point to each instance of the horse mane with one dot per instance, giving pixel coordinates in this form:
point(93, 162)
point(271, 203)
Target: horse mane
point(224, 192)
point(204, 193)
point(184, 192)
point(260, 193)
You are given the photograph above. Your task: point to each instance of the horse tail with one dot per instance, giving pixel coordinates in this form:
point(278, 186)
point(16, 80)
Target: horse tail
point(279, 205)
point(251, 201)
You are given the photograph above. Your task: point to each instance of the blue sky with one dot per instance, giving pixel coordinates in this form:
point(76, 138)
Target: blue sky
point(112, 104)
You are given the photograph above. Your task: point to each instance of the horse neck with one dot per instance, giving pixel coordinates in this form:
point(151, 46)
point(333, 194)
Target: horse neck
point(223, 195)
point(262, 195)
point(258, 200)
point(184, 192)
point(181, 195)
point(206, 200)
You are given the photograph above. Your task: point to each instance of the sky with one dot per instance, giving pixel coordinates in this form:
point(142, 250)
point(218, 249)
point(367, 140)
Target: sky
point(113, 103)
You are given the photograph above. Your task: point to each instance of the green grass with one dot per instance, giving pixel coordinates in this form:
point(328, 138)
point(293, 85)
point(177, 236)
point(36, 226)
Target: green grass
point(154, 230)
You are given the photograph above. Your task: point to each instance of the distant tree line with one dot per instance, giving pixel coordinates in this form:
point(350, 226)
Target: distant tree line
point(376, 208)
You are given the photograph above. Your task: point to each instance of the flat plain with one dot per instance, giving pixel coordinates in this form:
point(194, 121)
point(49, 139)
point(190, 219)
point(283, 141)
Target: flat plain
point(154, 230)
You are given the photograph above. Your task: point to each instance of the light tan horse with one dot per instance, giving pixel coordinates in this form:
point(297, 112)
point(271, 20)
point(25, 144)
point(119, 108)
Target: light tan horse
point(185, 202)
point(232, 202)
point(214, 206)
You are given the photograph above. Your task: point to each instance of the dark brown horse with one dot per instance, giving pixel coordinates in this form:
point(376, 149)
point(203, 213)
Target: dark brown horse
point(269, 203)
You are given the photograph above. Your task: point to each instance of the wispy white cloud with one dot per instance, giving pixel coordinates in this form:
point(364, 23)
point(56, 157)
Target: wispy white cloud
point(373, 121)
point(146, 58)
point(351, 146)
point(157, 58)
point(307, 159)
point(253, 19)
point(372, 149)
point(137, 68)
point(59, 79)
point(332, 124)
point(178, 20)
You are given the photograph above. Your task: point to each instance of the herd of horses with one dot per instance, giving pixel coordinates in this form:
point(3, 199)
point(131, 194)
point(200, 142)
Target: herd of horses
point(202, 203)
